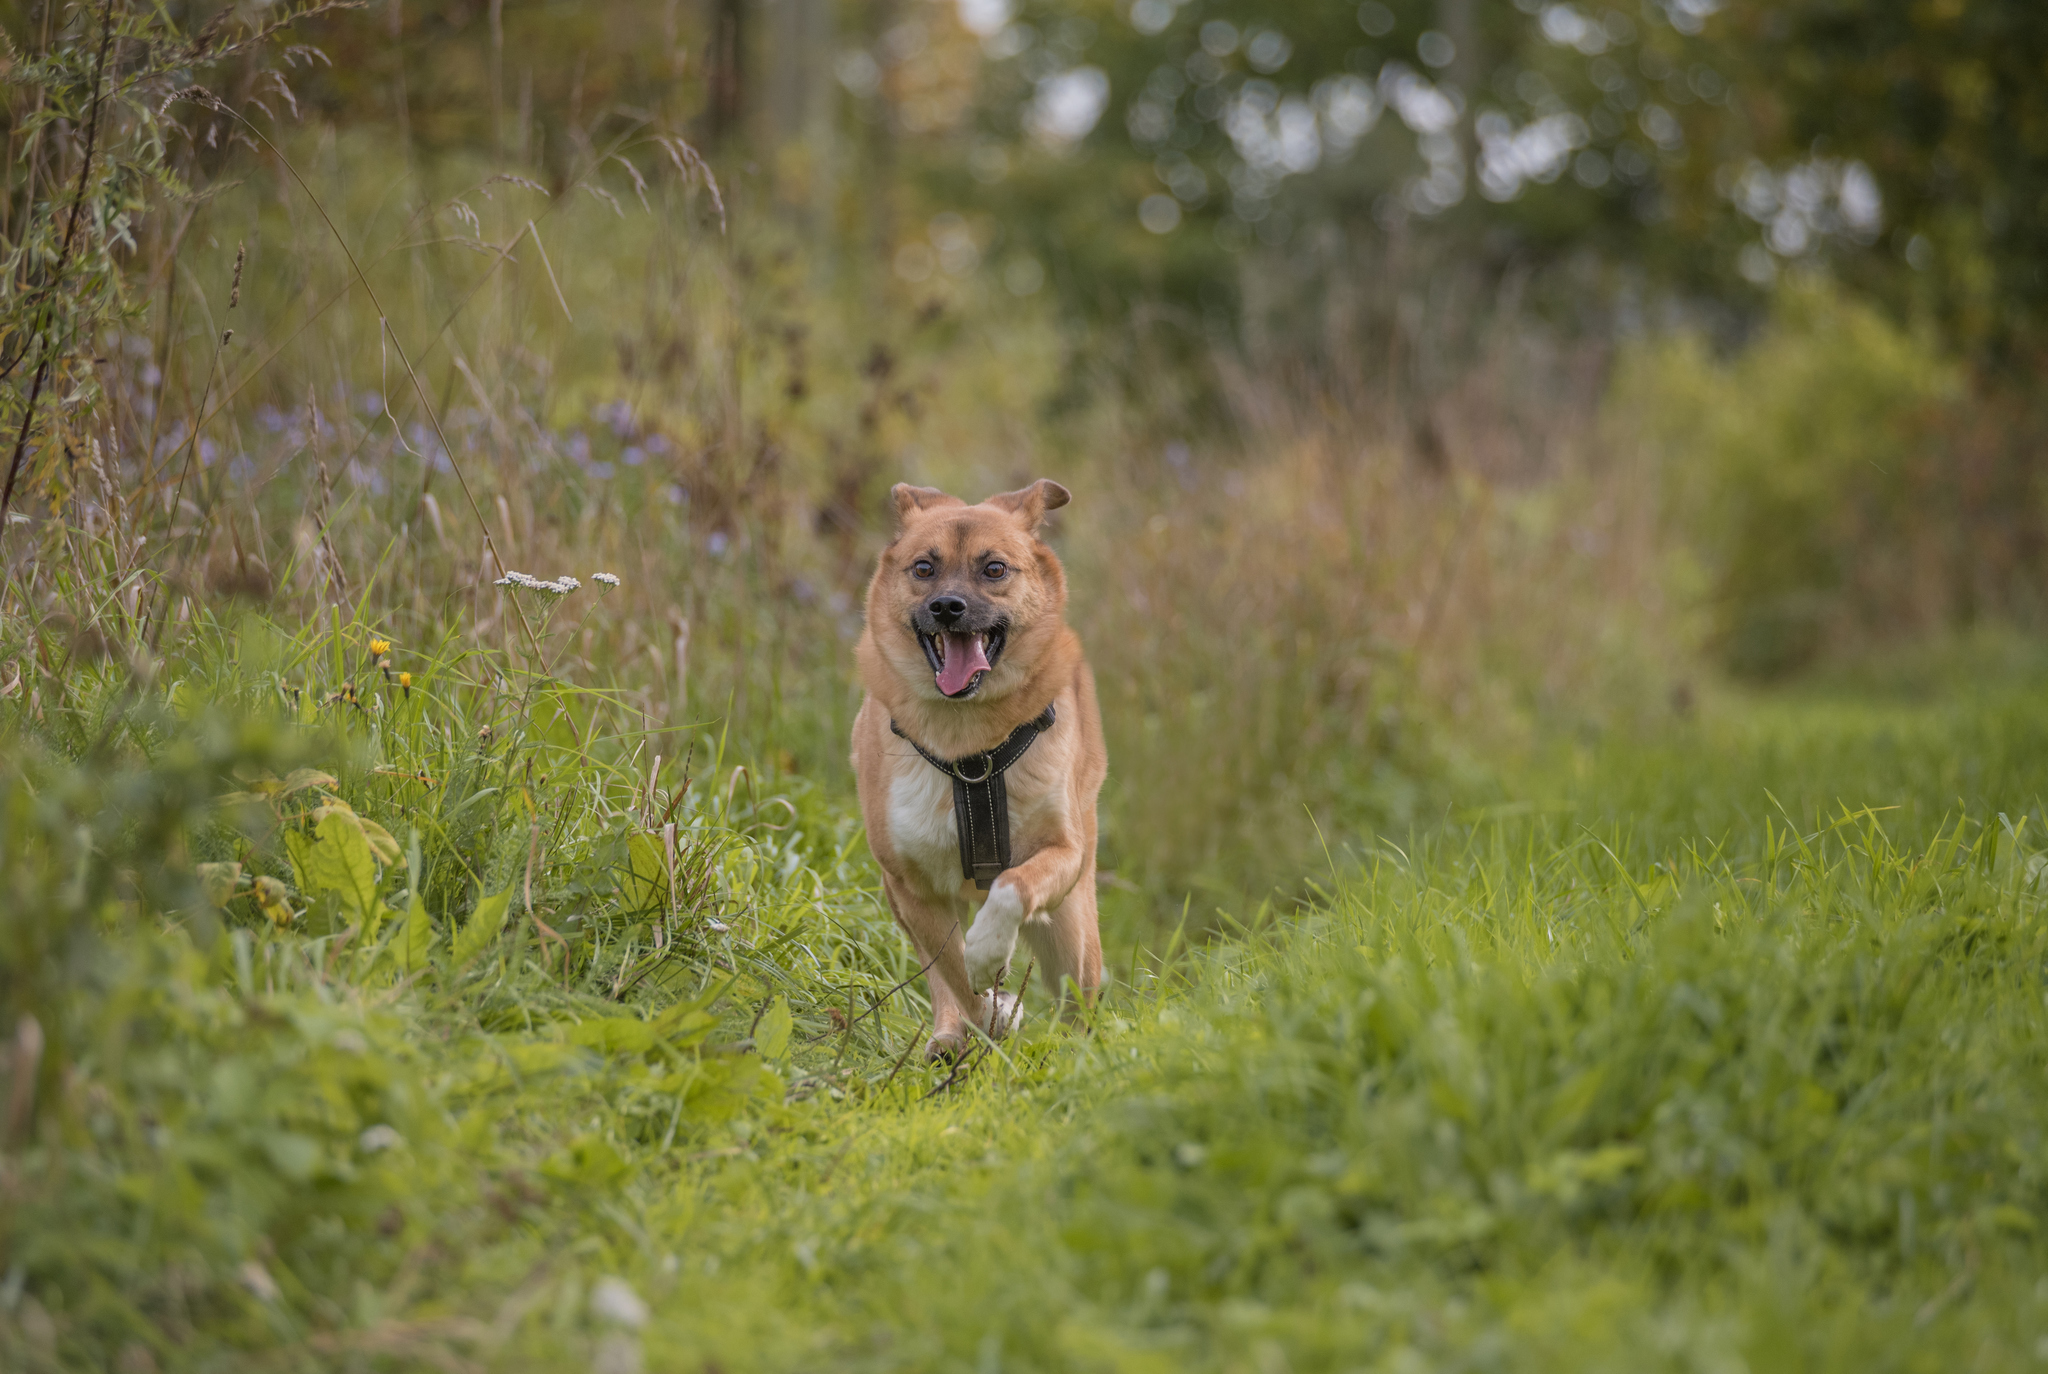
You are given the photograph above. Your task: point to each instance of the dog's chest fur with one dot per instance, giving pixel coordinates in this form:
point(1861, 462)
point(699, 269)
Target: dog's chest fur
point(925, 834)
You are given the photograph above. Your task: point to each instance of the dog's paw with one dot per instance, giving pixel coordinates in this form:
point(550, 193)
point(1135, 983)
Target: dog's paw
point(1005, 1014)
point(987, 967)
point(947, 1046)
point(993, 937)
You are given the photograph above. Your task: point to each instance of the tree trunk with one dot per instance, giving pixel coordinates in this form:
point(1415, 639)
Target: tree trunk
point(727, 69)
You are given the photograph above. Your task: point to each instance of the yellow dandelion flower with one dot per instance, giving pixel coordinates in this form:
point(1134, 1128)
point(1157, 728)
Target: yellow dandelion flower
point(379, 648)
point(405, 682)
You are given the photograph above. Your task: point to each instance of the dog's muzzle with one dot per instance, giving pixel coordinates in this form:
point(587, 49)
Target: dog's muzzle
point(961, 658)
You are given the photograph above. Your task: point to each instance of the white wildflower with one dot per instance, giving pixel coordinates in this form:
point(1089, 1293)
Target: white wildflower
point(257, 1280)
point(379, 1137)
point(613, 1300)
point(605, 579)
point(561, 586)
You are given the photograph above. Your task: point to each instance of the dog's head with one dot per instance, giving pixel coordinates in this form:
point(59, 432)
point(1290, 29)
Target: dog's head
point(967, 597)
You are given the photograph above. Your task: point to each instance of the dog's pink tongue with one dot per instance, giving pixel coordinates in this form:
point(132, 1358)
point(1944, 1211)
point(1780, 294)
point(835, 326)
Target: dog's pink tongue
point(964, 658)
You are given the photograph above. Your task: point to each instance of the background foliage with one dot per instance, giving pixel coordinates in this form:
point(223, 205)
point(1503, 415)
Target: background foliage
point(418, 950)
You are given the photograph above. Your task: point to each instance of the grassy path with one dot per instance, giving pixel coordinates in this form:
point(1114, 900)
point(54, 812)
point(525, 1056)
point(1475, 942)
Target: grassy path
point(1720, 1053)
point(1660, 1075)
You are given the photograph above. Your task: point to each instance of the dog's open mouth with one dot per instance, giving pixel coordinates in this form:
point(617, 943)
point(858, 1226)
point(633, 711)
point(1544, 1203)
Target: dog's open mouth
point(961, 659)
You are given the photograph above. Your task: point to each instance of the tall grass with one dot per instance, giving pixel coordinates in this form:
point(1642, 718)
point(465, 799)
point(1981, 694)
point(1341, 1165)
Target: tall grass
point(1298, 617)
point(1578, 1082)
point(1590, 1089)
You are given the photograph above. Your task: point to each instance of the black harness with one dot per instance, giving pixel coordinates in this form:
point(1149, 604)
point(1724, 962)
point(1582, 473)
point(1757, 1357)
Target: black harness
point(981, 803)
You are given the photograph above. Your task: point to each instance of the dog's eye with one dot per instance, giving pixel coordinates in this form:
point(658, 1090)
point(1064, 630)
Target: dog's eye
point(922, 567)
point(994, 571)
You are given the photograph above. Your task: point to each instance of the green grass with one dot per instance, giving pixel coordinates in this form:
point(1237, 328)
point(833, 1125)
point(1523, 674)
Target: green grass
point(1714, 1050)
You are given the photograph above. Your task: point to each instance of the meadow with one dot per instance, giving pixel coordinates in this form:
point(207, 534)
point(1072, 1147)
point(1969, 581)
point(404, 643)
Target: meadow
point(1572, 865)
point(1705, 1051)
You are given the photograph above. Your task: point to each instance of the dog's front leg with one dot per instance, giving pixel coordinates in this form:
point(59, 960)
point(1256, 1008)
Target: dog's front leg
point(934, 929)
point(1041, 881)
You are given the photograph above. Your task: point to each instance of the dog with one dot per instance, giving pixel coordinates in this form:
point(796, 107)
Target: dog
point(968, 664)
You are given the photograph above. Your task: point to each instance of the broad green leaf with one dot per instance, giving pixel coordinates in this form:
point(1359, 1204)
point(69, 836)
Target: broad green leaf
point(335, 857)
point(615, 1035)
point(722, 1088)
point(291, 1154)
point(518, 1059)
point(684, 1025)
point(483, 927)
point(412, 944)
point(644, 882)
point(407, 951)
point(588, 1160)
point(538, 1056)
point(771, 1036)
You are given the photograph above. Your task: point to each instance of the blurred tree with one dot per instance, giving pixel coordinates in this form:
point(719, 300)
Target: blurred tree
point(1140, 143)
point(727, 61)
point(1130, 151)
point(1945, 101)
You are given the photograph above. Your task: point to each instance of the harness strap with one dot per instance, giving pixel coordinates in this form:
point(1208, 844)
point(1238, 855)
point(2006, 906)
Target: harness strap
point(981, 801)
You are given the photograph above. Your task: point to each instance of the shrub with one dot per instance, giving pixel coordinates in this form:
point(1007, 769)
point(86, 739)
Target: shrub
point(1809, 475)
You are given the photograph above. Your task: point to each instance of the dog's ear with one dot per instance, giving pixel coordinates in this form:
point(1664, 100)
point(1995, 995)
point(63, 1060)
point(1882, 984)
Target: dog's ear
point(1031, 503)
point(910, 500)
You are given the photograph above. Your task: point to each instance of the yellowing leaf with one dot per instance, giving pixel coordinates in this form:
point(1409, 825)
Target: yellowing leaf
point(381, 841)
point(771, 1036)
point(301, 778)
point(483, 927)
point(274, 901)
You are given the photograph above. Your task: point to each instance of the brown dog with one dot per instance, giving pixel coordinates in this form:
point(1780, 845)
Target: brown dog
point(965, 649)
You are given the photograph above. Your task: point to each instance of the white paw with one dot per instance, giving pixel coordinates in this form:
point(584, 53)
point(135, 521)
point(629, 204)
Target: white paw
point(1004, 1015)
point(993, 936)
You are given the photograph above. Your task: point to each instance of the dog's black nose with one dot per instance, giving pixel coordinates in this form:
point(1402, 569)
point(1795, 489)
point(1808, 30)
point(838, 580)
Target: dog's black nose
point(947, 610)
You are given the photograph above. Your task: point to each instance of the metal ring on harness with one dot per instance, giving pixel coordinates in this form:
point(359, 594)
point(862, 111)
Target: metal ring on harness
point(981, 804)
